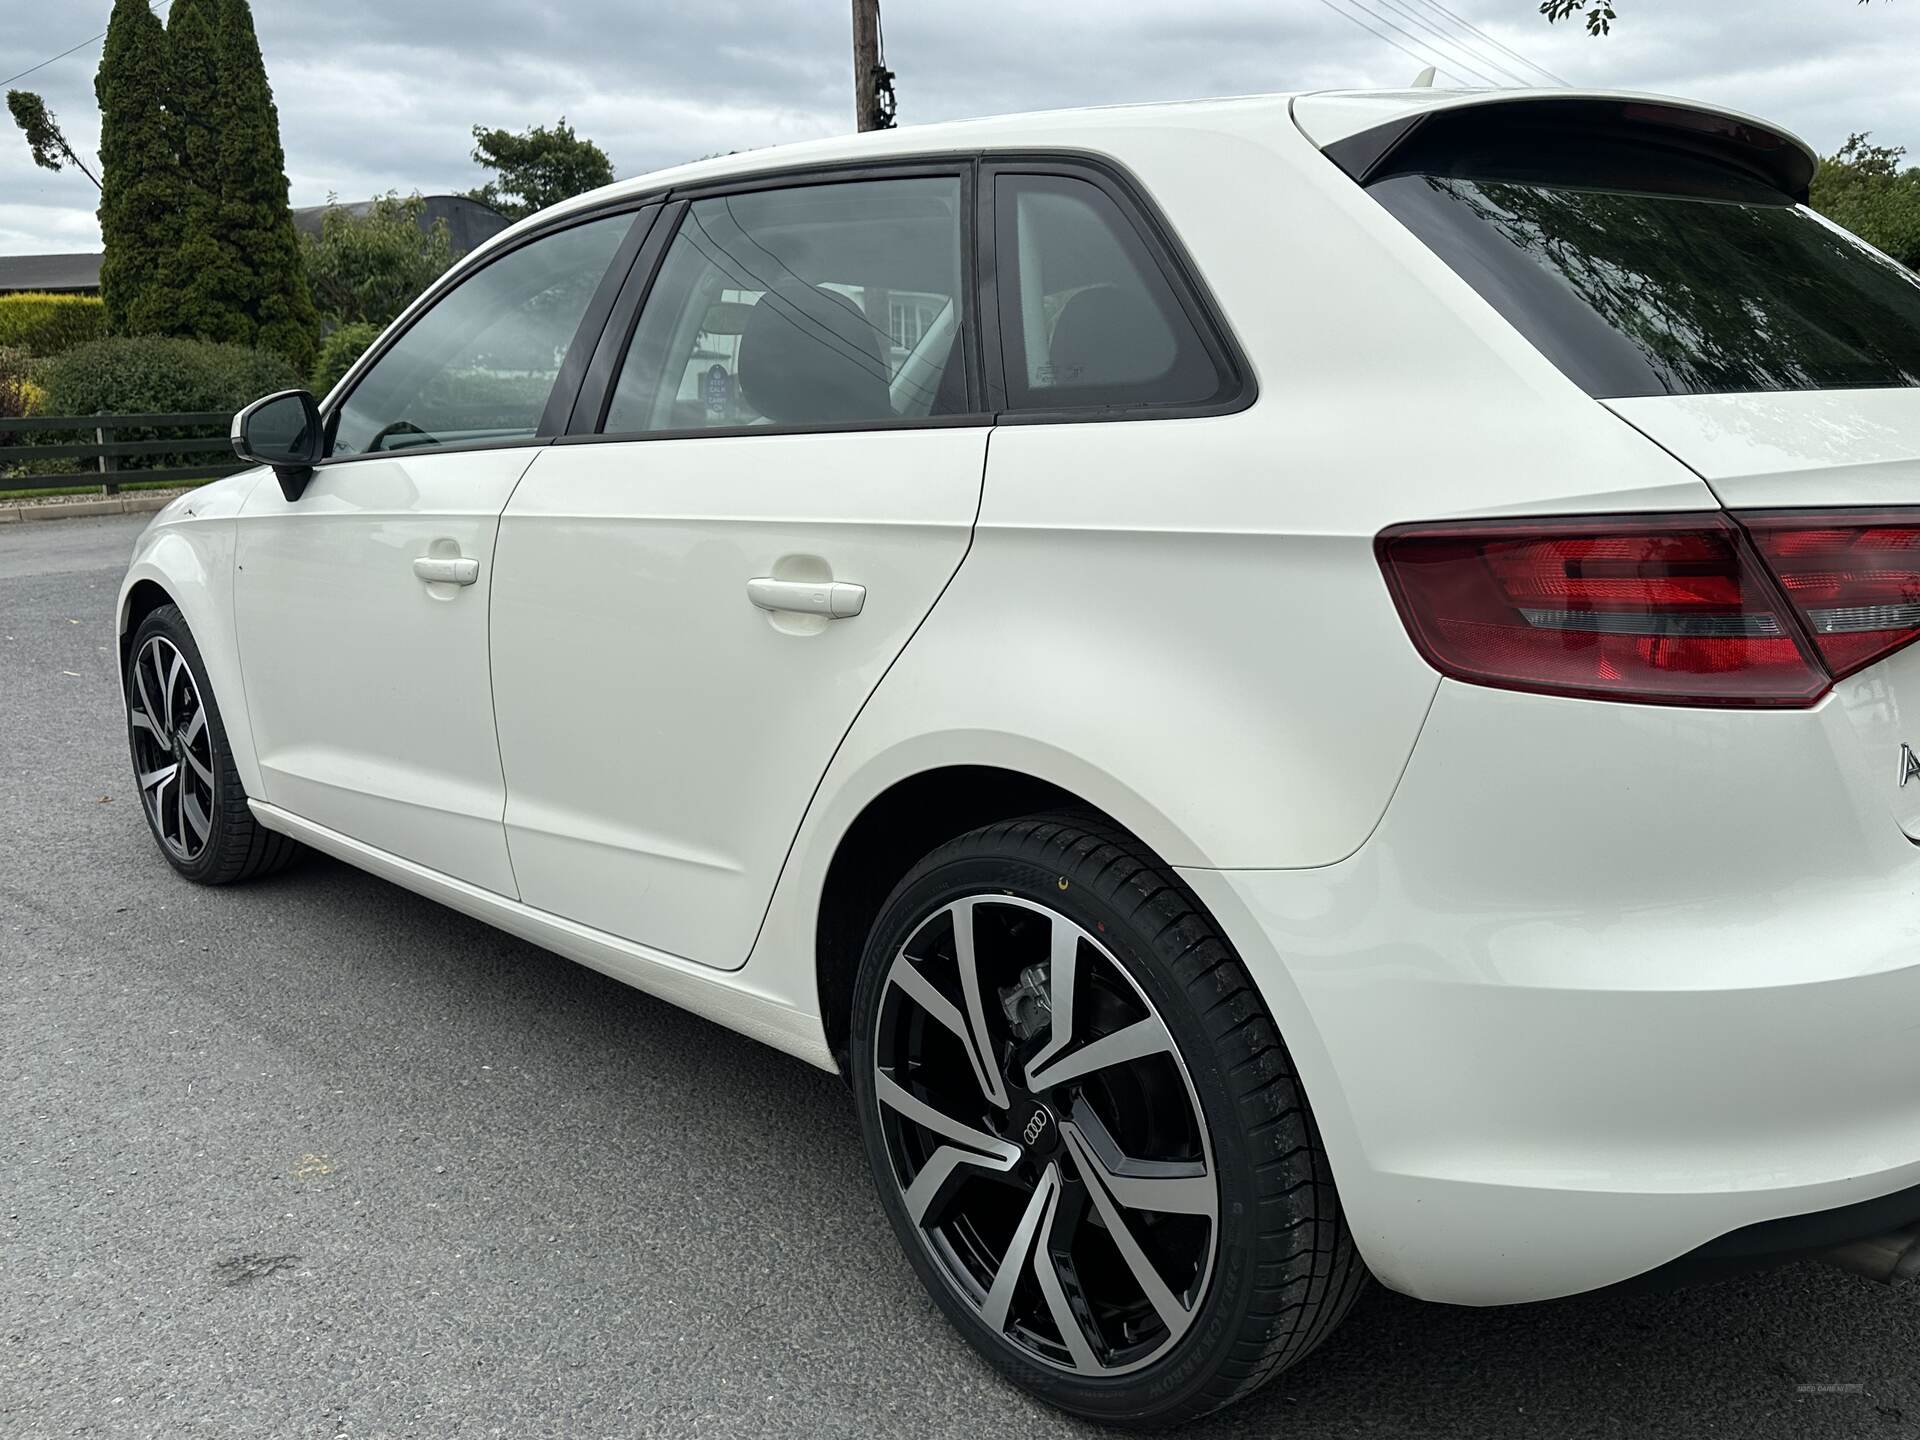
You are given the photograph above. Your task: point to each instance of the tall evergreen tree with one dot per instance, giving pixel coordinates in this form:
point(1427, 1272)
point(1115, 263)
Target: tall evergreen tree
point(237, 268)
point(139, 173)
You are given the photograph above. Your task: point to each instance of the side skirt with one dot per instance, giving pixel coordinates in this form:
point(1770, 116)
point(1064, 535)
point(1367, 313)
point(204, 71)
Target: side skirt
point(721, 996)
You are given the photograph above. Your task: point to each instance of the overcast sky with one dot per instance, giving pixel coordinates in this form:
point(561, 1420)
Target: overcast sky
point(382, 94)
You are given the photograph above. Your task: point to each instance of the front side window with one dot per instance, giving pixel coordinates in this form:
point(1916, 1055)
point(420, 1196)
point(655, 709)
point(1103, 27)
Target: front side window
point(480, 364)
point(832, 304)
point(1086, 315)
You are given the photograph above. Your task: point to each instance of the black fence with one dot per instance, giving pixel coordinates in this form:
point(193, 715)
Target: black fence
point(172, 458)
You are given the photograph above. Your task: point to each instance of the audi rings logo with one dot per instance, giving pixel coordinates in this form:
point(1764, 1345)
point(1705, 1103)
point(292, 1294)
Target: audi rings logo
point(1036, 1127)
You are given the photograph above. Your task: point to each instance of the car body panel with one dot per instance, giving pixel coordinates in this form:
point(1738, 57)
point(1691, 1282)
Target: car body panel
point(369, 688)
point(697, 725)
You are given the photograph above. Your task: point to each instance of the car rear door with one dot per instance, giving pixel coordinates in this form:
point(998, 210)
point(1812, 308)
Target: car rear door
point(773, 473)
point(361, 605)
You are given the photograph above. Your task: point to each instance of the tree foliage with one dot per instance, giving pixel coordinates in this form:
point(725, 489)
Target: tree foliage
point(338, 352)
point(236, 270)
point(537, 168)
point(44, 136)
point(1598, 14)
point(140, 177)
point(368, 268)
point(1864, 188)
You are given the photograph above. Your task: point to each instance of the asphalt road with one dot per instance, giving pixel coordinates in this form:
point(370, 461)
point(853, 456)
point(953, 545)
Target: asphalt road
point(314, 1157)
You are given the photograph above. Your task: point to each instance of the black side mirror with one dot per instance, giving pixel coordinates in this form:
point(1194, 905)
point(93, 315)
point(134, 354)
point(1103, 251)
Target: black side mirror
point(283, 431)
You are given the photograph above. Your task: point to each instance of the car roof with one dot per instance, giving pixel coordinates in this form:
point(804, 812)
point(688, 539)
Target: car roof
point(1324, 116)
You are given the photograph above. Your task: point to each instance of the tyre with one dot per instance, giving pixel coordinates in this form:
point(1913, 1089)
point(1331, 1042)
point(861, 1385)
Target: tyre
point(183, 766)
point(1086, 1130)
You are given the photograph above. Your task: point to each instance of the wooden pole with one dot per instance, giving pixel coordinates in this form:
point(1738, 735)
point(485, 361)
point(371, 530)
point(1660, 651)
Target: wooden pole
point(866, 63)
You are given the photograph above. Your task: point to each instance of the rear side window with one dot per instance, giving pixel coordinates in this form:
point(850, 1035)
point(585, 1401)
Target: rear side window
point(825, 304)
point(1087, 317)
point(1683, 283)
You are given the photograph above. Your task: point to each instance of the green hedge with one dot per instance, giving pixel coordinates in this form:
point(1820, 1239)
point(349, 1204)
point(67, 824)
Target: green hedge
point(338, 352)
point(151, 375)
point(50, 324)
point(140, 375)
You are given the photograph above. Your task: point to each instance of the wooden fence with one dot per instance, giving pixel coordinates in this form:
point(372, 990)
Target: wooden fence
point(107, 452)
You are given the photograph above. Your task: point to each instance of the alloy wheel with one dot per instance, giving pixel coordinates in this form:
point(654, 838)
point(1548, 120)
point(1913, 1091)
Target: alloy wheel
point(172, 748)
point(1046, 1138)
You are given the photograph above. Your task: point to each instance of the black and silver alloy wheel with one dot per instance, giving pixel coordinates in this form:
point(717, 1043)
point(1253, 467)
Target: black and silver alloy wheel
point(1045, 1135)
point(1086, 1129)
point(173, 753)
point(189, 790)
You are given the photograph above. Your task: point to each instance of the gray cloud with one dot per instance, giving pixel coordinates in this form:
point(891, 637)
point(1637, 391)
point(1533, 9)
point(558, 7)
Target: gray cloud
point(381, 94)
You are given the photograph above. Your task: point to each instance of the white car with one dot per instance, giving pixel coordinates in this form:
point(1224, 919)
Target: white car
point(1108, 627)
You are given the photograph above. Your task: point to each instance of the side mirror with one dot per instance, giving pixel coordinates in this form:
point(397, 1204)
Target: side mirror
point(283, 431)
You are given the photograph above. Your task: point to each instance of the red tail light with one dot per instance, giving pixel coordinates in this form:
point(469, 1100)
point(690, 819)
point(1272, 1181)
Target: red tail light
point(1853, 578)
point(1670, 609)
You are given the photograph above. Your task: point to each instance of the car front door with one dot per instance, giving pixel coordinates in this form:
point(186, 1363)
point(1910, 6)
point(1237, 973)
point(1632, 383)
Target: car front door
point(695, 596)
point(361, 606)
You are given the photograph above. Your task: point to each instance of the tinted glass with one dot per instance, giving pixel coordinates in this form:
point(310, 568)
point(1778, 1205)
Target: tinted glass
point(1086, 315)
point(817, 305)
point(479, 364)
point(1633, 292)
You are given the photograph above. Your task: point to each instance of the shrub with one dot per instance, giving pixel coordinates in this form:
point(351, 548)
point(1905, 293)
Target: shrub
point(338, 352)
point(50, 324)
point(148, 375)
point(370, 266)
point(140, 375)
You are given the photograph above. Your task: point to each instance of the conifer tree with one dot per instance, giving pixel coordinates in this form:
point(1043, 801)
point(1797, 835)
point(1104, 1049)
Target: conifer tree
point(237, 269)
point(139, 173)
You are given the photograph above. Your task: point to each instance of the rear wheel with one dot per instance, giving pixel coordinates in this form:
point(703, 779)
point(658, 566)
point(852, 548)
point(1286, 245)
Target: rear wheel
point(1086, 1129)
point(190, 792)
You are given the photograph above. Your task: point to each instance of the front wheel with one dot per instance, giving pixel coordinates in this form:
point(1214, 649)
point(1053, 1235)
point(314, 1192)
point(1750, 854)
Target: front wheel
point(183, 766)
point(1086, 1130)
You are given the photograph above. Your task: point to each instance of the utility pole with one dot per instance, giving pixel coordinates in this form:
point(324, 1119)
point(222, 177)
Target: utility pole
point(872, 81)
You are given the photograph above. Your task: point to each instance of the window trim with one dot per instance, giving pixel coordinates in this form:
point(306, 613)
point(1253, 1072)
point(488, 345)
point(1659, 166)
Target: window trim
point(644, 209)
point(1163, 246)
point(590, 410)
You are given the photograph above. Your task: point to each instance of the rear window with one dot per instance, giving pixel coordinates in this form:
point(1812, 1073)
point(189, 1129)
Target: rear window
point(1708, 286)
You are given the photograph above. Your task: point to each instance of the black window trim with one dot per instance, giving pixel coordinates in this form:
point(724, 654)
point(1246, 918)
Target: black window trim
point(1177, 269)
point(586, 425)
point(645, 210)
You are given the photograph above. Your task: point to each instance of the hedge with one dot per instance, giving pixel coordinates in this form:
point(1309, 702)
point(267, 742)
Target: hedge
point(147, 375)
point(50, 324)
point(152, 375)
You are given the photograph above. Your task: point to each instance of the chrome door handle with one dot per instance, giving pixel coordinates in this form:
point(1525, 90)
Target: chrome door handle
point(447, 571)
point(835, 599)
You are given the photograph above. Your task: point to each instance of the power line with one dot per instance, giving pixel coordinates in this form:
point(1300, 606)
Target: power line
point(1498, 45)
point(72, 49)
point(1382, 35)
point(1441, 37)
point(1391, 24)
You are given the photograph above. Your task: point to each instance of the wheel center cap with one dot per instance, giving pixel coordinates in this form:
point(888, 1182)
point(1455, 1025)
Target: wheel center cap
point(1036, 1127)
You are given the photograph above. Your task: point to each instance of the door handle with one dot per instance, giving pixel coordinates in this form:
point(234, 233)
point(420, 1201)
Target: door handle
point(454, 570)
point(835, 599)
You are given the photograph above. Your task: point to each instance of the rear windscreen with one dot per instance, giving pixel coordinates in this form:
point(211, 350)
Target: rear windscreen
point(1636, 291)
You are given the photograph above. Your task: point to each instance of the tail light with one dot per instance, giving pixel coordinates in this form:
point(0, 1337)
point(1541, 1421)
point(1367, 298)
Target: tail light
point(1762, 609)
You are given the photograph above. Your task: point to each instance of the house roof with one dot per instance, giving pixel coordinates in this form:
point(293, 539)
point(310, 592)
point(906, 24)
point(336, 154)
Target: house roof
point(63, 273)
point(468, 221)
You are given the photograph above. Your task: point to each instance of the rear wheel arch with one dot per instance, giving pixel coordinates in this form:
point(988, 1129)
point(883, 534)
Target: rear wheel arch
point(893, 832)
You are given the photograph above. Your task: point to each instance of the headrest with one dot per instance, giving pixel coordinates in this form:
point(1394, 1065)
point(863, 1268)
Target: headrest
point(809, 354)
point(1110, 334)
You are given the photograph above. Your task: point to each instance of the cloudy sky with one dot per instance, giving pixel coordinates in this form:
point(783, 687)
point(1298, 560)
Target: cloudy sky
point(382, 94)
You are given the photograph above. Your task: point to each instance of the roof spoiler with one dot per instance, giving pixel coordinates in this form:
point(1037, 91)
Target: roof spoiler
point(1536, 132)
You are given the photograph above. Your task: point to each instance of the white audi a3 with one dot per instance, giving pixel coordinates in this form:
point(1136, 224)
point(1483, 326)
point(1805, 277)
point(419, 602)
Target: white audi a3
point(1291, 688)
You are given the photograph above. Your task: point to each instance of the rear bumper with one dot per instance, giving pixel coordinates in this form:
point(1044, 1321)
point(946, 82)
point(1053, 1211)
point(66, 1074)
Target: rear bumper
point(1608, 983)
